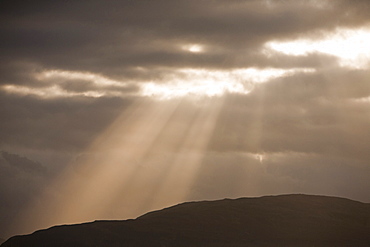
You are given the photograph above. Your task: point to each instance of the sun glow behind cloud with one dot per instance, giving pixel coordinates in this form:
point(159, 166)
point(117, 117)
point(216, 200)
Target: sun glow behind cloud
point(176, 83)
point(202, 82)
point(194, 48)
point(351, 46)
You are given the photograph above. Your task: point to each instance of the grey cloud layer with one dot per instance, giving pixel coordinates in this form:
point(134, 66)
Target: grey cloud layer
point(63, 124)
point(111, 38)
point(305, 114)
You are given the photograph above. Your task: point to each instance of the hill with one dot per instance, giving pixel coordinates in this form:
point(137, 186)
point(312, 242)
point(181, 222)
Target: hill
point(286, 220)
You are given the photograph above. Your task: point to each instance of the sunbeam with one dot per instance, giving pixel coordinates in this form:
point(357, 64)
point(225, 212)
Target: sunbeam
point(89, 184)
point(147, 159)
point(184, 168)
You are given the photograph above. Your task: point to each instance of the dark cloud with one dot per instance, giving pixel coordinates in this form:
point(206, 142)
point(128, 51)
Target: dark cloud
point(317, 113)
point(62, 124)
point(280, 173)
point(22, 163)
point(108, 37)
point(21, 181)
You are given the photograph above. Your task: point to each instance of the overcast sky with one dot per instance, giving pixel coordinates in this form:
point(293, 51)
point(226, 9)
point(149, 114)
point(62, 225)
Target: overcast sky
point(112, 108)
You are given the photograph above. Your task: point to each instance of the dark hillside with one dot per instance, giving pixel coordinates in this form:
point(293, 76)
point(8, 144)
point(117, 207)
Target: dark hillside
point(287, 220)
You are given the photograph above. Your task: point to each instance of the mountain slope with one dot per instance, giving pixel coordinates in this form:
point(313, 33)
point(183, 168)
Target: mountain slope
point(287, 220)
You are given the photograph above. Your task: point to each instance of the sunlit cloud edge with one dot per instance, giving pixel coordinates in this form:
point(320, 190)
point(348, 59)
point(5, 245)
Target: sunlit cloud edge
point(173, 84)
point(350, 46)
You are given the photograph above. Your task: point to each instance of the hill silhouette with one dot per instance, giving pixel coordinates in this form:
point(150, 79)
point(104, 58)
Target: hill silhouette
point(286, 220)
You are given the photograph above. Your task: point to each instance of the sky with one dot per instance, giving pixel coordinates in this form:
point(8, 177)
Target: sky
point(110, 109)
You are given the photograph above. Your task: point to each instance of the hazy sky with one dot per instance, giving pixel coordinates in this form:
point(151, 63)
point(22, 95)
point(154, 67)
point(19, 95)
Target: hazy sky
point(112, 108)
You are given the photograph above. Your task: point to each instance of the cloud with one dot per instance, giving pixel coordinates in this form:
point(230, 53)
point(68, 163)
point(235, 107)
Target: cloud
point(279, 173)
point(303, 113)
point(75, 36)
point(56, 124)
point(21, 181)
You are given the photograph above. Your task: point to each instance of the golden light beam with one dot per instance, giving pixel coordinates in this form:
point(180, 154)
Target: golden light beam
point(180, 148)
point(147, 159)
point(86, 188)
point(183, 171)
